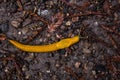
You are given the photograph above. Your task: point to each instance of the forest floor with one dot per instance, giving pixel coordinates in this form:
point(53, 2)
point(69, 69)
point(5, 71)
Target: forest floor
point(95, 57)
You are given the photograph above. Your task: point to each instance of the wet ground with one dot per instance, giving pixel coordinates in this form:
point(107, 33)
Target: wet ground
point(95, 57)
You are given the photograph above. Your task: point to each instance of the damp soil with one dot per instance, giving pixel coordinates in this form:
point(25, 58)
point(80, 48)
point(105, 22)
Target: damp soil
point(38, 22)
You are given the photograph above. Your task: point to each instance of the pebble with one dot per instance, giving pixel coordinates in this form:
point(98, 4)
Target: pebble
point(54, 77)
point(86, 51)
point(30, 57)
point(77, 64)
point(24, 68)
point(57, 65)
point(72, 1)
point(44, 12)
point(86, 45)
point(15, 24)
point(93, 72)
point(116, 16)
point(19, 32)
point(75, 19)
point(49, 4)
point(96, 23)
point(85, 67)
point(68, 23)
point(48, 71)
point(55, 1)
point(24, 30)
point(27, 76)
point(6, 69)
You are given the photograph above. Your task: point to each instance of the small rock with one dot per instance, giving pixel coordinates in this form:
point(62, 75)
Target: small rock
point(96, 23)
point(57, 65)
point(27, 76)
point(68, 23)
point(67, 14)
point(48, 71)
point(72, 2)
point(77, 64)
point(116, 16)
point(86, 51)
point(30, 57)
point(48, 35)
point(6, 69)
point(93, 72)
point(75, 19)
point(54, 77)
point(24, 68)
point(86, 45)
point(51, 3)
point(15, 24)
point(85, 67)
point(55, 1)
point(39, 12)
point(19, 32)
point(24, 30)
point(44, 12)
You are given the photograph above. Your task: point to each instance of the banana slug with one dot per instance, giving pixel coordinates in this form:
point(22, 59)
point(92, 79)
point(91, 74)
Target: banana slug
point(64, 43)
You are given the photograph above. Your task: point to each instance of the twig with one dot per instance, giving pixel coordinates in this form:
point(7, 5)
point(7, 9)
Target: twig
point(95, 37)
point(37, 17)
point(106, 7)
point(111, 67)
point(85, 14)
point(15, 64)
point(114, 43)
point(72, 73)
point(67, 3)
point(35, 34)
point(116, 58)
point(110, 30)
point(79, 8)
point(19, 5)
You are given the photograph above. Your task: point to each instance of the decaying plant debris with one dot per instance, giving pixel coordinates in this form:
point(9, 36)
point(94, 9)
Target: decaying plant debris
point(95, 57)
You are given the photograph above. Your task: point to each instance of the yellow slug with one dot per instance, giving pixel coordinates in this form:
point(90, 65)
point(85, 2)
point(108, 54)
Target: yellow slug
point(64, 43)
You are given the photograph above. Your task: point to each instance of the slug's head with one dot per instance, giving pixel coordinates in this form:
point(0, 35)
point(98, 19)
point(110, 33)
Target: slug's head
point(67, 42)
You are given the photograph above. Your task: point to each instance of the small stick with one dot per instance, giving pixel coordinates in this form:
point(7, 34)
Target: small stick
point(110, 30)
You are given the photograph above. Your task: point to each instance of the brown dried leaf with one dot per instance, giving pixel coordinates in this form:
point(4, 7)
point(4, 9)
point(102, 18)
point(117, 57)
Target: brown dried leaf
point(57, 20)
